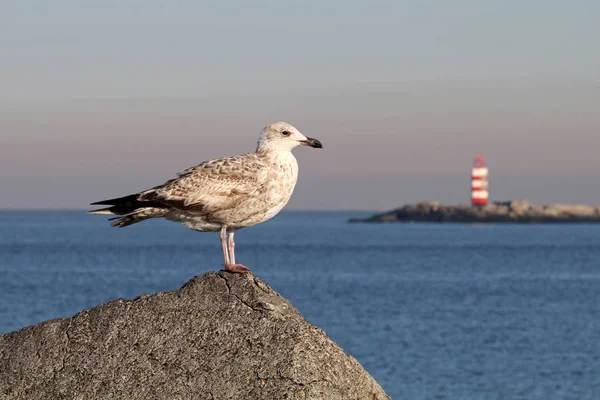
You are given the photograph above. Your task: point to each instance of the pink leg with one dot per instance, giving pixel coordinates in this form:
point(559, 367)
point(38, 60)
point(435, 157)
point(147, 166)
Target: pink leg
point(230, 264)
point(231, 248)
point(223, 237)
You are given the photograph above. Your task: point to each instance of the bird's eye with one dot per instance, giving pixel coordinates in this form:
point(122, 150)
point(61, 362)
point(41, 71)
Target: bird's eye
point(286, 133)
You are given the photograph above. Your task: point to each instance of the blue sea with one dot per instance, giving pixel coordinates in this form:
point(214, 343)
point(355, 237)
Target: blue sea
point(432, 311)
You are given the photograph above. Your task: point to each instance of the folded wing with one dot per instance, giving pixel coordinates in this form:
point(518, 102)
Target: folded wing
point(211, 186)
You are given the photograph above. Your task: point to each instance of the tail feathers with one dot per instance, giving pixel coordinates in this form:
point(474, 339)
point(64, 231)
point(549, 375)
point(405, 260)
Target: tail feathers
point(102, 211)
point(131, 218)
point(129, 210)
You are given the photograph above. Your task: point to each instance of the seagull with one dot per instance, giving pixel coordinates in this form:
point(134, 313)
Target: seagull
point(222, 195)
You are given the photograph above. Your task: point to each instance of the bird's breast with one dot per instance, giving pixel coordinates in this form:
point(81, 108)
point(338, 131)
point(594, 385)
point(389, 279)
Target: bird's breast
point(282, 179)
point(277, 182)
point(276, 191)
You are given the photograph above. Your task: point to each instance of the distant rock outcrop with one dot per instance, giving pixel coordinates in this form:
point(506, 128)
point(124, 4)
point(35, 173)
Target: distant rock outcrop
point(221, 336)
point(521, 211)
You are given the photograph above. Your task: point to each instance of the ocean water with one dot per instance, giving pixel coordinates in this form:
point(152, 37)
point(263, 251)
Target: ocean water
point(432, 311)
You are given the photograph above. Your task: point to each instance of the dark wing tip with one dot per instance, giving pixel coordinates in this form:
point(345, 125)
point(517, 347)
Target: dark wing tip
point(118, 200)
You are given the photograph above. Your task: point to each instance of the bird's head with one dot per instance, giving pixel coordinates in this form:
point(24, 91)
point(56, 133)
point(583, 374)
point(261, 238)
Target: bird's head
point(281, 136)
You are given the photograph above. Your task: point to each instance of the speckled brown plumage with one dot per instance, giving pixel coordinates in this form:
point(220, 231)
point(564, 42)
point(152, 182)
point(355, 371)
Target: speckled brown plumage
point(225, 194)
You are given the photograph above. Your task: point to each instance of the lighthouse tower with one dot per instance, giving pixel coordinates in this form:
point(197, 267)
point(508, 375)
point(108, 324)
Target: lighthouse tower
point(479, 182)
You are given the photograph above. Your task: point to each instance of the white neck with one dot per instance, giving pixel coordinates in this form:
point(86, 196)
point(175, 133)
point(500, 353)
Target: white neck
point(273, 152)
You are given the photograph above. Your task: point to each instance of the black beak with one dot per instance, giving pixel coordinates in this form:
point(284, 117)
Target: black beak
point(312, 143)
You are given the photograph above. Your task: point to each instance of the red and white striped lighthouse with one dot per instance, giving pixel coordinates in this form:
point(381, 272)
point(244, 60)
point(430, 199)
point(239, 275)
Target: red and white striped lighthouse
point(479, 182)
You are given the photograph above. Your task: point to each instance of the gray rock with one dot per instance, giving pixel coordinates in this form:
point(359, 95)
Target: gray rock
point(571, 210)
point(519, 207)
point(520, 211)
point(221, 336)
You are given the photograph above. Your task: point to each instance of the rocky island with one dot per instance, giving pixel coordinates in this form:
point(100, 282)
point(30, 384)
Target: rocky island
point(516, 211)
point(221, 336)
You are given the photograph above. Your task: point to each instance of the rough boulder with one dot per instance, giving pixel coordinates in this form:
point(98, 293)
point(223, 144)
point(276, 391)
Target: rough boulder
point(221, 336)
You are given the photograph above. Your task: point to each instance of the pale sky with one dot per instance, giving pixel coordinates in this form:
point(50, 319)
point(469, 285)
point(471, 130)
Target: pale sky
point(104, 98)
